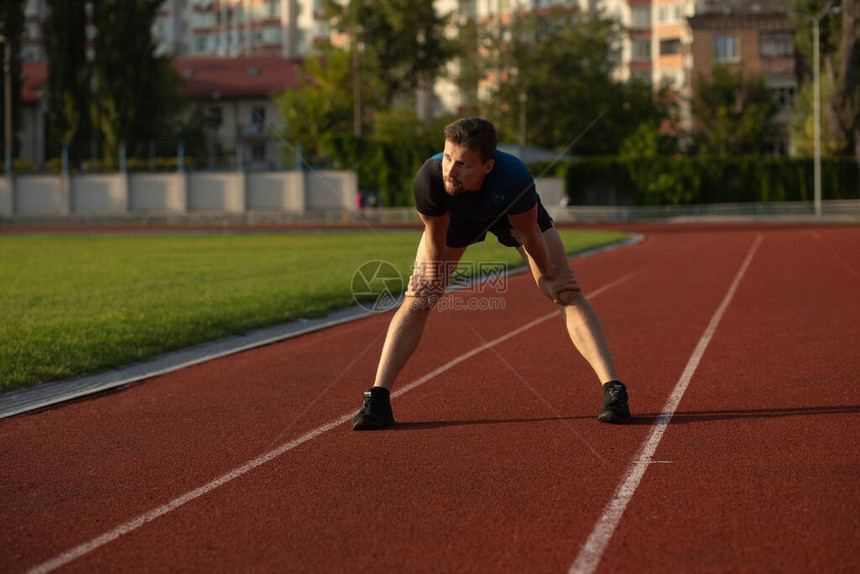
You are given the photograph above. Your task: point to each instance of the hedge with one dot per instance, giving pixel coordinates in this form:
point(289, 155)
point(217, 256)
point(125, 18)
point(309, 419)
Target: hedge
point(694, 180)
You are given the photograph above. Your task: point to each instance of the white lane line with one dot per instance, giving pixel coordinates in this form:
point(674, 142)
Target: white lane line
point(591, 553)
point(146, 518)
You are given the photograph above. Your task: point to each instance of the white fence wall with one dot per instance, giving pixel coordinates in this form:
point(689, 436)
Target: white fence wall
point(281, 191)
point(157, 193)
point(39, 195)
point(177, 193)
point(328, 190)
point(99, 194)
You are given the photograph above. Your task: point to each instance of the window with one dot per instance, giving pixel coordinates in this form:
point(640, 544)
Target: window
point(31, 9)
point(213, 117)
point(726, 49)
point(33, 30)
point(258, 152)
point(776, 45)
point(784, 96)
point(204, 20)
point(641, 48)
point(670, 46)
point(258, 119)
point(640, 17)
point(30, 54)
point(669, 13)
point(206, 44)
point(271, 35)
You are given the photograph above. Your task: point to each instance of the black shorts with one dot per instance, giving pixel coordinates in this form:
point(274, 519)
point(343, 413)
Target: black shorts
point(463, 232)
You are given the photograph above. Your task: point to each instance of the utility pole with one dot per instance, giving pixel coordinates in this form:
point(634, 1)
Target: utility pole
point(7, 100)
point(816, 106)
point(356, 86)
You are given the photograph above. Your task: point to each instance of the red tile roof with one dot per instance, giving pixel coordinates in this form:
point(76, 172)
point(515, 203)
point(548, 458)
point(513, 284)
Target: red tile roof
point(202, 78)
point(235, 78)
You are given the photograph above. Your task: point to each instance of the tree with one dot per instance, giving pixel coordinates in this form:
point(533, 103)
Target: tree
point(321, 109)
point(559, 66)
point(68, 73)
point(133, 95)
point(648, 142)
point(802, 128)
point(12, 27)
point(840, 70)
point(402, 44)
point(732, 113)
point(846, 102)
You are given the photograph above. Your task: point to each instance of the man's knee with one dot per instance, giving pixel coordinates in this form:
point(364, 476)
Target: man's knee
point(569, 297)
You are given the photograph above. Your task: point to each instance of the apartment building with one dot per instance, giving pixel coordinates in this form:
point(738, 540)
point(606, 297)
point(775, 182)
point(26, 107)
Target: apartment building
point(755, 38)
point(286, 28)
point(220, 28)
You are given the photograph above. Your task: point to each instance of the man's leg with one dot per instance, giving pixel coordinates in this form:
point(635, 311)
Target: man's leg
point(580, 318)
point(587, 336)
point(404, 335)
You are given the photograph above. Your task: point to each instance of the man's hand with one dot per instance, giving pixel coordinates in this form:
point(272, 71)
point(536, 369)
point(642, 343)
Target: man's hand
point(561, 287)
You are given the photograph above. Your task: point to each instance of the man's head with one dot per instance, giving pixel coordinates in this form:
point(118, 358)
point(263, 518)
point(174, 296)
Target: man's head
point(470, 145)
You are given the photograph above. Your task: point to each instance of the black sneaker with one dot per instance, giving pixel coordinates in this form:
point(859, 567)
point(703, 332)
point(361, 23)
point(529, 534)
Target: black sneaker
point(615, 409)
point(375, 410)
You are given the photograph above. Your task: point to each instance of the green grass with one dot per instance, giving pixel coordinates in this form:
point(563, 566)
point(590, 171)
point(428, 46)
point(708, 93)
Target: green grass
point(78, 304)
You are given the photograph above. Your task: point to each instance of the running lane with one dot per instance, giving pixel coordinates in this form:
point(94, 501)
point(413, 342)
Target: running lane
point(759, 471)
point(497, 463)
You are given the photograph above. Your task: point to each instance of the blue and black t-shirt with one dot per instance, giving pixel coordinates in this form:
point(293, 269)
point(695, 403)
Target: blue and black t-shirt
point(509, 189)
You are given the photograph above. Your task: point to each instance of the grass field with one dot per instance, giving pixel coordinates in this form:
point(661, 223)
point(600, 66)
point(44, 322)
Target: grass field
point(78, 304)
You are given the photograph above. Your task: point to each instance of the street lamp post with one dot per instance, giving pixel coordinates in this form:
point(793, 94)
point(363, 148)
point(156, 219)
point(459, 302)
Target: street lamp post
point(7, 100)
point(356, 87)
point(816, 106)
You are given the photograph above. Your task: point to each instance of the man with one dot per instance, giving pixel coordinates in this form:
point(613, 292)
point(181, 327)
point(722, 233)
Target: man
point(461, 194)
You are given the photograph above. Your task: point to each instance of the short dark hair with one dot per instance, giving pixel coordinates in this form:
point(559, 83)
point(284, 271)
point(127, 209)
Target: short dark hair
point(475, 134)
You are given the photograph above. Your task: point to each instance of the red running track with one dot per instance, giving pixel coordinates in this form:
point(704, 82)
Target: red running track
point(497, 464)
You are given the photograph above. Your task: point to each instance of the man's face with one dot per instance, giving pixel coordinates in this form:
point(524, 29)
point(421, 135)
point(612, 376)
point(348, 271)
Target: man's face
point(462, 169)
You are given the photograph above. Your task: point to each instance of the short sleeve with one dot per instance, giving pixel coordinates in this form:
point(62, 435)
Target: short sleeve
point(524, 193)
point(430, 197)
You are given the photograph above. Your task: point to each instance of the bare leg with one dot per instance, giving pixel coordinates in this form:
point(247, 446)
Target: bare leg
point(581, 321)
point(407, 326)
point(404, 334)
point(585, 331)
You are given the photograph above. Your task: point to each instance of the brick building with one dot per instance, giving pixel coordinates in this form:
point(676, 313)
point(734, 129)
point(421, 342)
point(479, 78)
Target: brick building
point(756, 39)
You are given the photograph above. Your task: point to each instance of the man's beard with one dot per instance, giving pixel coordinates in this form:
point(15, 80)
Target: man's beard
point(453, 187)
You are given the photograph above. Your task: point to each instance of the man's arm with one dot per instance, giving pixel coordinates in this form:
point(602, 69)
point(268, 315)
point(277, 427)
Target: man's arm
point(430, 278)
point(555, 278)
point(435, 234)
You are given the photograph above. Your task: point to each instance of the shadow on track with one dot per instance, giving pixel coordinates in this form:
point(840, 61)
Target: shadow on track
point(424, 425)
point(681, 417)
point(686, 417)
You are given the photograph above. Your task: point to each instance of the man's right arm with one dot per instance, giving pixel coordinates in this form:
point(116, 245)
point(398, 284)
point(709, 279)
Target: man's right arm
point(435, 235)
point(429, 279)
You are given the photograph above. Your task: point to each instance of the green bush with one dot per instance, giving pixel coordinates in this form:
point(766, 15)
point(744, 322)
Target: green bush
point(699, 179)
